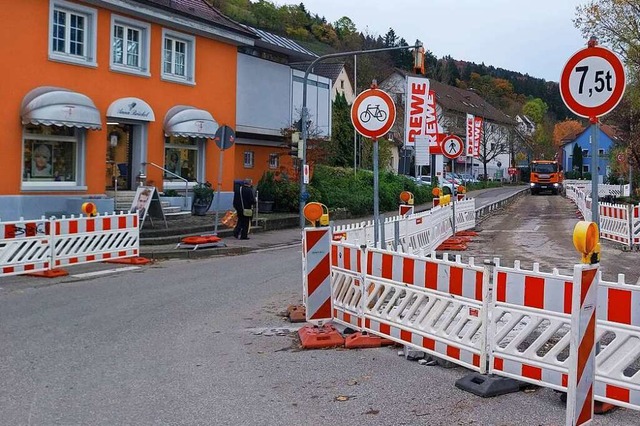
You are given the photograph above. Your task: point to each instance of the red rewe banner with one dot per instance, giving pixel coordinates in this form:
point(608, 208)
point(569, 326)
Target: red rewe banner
point(477, 135)
point(415, 106)
point(431, 128)
point(469, 142)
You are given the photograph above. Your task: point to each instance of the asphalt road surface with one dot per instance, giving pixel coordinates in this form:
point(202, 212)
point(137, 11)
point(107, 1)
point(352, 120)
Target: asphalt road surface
point(203, 343)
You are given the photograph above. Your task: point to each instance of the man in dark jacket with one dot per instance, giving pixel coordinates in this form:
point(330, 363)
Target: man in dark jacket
point(243, 199)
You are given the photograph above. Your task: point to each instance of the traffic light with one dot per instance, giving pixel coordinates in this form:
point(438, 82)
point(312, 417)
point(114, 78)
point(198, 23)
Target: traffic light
point(418, 60)
point(296, 145)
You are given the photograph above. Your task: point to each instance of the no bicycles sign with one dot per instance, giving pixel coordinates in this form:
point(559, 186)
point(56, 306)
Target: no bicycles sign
point(373, 113)
point(592, 82)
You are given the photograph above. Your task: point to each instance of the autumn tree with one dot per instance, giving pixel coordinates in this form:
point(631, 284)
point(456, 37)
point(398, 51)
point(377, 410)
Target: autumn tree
point(565, 128)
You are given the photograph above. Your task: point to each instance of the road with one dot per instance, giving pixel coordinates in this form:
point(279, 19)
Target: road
point(203, 342)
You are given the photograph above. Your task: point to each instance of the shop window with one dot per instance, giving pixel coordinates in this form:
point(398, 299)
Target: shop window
point(248, 159)
point(129, 45)
point(183, 157)
point(274, 161)
point(72, 33)
point(52, 157)
point(178, 57)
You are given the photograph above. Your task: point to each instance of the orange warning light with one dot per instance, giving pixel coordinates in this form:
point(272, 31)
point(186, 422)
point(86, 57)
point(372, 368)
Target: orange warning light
point(89, 209)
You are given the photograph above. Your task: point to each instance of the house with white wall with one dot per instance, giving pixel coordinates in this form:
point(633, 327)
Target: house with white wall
point(269, 99)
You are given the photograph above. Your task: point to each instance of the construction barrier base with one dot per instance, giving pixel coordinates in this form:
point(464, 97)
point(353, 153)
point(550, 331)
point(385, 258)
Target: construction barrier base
point(466, 234)
point(202, 241)
point(51, 273)
point(296, 313)
point(453, 244)
point(602, 407)
point(326, 336)
point(487, 386)
point(130, 261)
point(363, 339)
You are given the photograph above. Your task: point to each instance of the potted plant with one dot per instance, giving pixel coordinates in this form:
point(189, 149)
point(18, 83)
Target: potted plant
point(202, 198)
point(266, 192)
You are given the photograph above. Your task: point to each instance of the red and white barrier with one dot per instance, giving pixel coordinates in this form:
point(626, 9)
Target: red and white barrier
point(25, 247)
point(525, 303)
point(346, 287)
point(83, 239)
point(316, 252)
point(436, 306)
point(635, 226)
point(615, 223)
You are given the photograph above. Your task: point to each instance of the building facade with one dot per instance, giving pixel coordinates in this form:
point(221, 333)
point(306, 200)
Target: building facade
point(113, 93)
point(606, 139)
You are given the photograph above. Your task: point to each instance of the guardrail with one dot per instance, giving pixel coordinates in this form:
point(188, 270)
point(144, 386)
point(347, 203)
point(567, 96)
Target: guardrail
point(483, 211)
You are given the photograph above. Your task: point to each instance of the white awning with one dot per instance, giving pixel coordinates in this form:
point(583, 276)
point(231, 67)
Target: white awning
point(183, 120)
point(131, 109)
point(54, 106)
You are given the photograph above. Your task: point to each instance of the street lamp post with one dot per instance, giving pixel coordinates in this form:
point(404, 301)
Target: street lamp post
point(305, 113)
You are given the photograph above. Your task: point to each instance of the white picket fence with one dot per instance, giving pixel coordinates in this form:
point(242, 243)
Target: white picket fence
point(46, 244)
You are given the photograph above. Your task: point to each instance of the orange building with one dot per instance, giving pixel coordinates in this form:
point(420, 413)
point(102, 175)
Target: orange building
point(104, 94)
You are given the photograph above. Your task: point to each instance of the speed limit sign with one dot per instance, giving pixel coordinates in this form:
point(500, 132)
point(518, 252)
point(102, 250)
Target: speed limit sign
point(592, 82)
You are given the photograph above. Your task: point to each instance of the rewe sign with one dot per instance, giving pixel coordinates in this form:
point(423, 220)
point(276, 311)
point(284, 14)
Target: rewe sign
point(420, 114)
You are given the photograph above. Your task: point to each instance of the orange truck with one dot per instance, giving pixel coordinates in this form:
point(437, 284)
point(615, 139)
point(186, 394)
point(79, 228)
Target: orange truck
point(546, 175)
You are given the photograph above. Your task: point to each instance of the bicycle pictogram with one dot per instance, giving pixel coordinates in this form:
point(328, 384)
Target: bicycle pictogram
point(373, 111)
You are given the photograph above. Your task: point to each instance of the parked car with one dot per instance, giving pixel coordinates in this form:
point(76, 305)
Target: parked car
point(426, 179)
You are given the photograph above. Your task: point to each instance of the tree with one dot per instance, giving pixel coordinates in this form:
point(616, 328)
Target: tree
point(576, 162)
point(340, 148)
point(535, 109)
point(613, 22)
point(495, 141)
point(565, 128)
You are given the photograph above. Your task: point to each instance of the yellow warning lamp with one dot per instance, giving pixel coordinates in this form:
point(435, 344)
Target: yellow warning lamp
point(316, 213)
point(462, 189)
point(407, 197)
point(89, 209)
point(586, 240)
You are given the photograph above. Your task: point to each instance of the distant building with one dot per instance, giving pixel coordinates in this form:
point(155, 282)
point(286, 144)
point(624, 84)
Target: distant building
point(606, 138)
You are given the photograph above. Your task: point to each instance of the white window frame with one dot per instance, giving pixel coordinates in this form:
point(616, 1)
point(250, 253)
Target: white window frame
point(585, 152)
point(190, 61)
point(145, 46)
point(250, 155)
point(601, 152)
point(38, 185)
point(274, 161)
point(91, 33)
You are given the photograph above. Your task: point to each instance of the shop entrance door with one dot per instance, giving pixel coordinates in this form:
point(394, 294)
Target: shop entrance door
point(120, 147)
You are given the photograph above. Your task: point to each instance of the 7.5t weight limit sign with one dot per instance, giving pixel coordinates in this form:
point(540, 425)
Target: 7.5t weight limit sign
point(592, 82)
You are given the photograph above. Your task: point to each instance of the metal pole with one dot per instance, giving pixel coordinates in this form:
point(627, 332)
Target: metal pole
point(223, 138)
point(594, 174)
point(303, 186)
point(453, 208)
point(355, 133)
point(376, 198)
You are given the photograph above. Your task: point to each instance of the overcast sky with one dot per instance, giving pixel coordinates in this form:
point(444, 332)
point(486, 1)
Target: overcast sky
point(531, 37)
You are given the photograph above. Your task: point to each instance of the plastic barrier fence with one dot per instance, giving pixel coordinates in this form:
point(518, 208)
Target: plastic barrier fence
point(45, 244)
point(530, 324)
point(437, 306)
point(603, 189)
point(635, 225)
point(615, 223)
point(94, 239)
point(25, 246)
point(346, 284)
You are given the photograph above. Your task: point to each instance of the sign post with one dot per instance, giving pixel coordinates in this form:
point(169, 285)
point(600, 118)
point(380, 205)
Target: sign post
point(452, 147)
point(373, 114)
point(224, 138)
point(591, 85)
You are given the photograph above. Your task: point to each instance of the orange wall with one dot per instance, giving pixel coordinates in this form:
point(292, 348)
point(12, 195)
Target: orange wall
point(27, 66)
point(260, 161)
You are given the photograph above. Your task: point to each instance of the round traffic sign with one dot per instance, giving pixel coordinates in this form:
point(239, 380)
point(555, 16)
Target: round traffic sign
point(373, 113)
point(452, 146)
point(592, 82)
point(224, 137)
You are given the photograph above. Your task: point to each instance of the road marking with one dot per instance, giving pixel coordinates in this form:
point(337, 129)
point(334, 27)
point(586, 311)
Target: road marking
point(105, 272)
point(537, 227)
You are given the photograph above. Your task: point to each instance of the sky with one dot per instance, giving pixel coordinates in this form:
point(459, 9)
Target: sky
point(531, 37)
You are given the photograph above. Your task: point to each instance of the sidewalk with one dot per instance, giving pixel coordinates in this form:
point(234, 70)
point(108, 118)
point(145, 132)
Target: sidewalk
point(287, 233)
